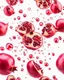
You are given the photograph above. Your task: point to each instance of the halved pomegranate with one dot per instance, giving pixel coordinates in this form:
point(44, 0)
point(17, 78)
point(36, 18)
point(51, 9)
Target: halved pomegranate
point(25, 27)
point(34, 69)
point(56, 7)
point(32, 40)
point(8, 10)
point(60, 63)
point(48, 30)
point(44, 78)
point(60, 25)
point(10, 77)
point(7, 64)
point(3, 28)
point(12, 2)
point(43, 4)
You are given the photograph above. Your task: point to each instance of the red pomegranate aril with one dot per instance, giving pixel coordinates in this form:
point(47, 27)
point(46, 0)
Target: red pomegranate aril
point(60, 63)
point(34, 69)
point(7, 64)
point(3, 28)
point(56, 7)
point(36, 40)
point(27, 40)
point(8, 10)
point(60, 25)
point(12, 2)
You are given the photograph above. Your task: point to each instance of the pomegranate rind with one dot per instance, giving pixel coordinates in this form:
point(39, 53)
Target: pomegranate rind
point(32, 70)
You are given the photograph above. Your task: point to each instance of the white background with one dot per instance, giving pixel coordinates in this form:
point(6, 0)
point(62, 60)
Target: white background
point(53, 48)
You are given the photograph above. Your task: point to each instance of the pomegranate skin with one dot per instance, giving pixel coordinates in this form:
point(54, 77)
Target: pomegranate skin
point(12, 2)
point(60, 63)
point(60, 25)
point(3, 28)
point(7, 63)
point(56, 7)
point(32, 70)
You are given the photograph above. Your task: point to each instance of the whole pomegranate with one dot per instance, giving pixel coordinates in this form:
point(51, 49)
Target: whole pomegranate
point(56, 7)
point(60, 25)
point(60, 63)
point(3, 28)
point(7, 64)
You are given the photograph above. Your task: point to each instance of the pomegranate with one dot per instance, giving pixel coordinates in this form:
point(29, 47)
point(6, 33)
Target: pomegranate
point(12, 2)
point(48, 30)
point(8, 10)
point(32, 40)
point(25, 27)
point(7, 64)
point(3, 28)
point(10, 77)
point(60, 25)
point(44, 78)
point(56, 7)
point(60, 63)
point(43, 4)
point(34, 69)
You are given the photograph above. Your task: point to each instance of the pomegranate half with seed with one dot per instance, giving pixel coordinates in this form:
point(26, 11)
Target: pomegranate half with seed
point(10, 77)
point(8, 10)
point(3, 28)
point(60, 25)
point(32, 40)
point(25, 27)
point(43, 4)
point(48, 30)
point(56, 7)
point(7, 64)
point(12, 2)
point(60, 63)
point(34, 69)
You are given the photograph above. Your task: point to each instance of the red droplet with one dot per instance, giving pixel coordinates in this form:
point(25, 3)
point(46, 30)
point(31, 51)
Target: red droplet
point(41, 23)
point(48, 12)
point(46, 64)
point(24, 15)
point(2, 48)
point(20, 11)
point(30, 55)
point(56, 40)
point(40, 61)
point(9, 46)
point(21, 1)
point(37, 19)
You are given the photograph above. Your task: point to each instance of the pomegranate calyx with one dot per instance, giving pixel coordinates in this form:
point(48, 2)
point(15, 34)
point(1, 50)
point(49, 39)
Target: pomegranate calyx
point(13, 69)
